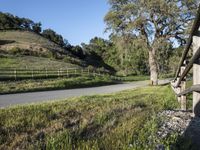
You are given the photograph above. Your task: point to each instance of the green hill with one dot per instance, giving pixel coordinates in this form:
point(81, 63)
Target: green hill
point(26, 40)
point(25, 62)
point(20, 49)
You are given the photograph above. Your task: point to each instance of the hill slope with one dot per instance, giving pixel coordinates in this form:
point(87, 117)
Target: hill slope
point(26, 40)
point(26, 44)
point(26, 62)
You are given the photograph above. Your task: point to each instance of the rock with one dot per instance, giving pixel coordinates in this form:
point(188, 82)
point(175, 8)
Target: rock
point(174, 122)
point(40, 136)
point(160, 147)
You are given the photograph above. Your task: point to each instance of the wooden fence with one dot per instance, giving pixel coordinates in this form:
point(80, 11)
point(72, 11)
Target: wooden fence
point(17, 74)
point(185, 65)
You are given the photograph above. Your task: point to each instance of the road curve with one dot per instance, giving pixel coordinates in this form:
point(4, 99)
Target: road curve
point(33, 97)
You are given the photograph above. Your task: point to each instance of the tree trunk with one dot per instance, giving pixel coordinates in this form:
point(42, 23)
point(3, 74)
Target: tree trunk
point(153, 67)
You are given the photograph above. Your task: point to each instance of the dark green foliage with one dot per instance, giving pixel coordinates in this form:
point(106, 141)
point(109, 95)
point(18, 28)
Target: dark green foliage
point(8, 21)
point(98, 53)
point(53, 36)
point(78, 51)
point(158, 24)
point(37, 27)
point(11, 22)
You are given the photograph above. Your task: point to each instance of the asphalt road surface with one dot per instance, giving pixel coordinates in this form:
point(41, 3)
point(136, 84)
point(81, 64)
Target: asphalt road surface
point(33, 97)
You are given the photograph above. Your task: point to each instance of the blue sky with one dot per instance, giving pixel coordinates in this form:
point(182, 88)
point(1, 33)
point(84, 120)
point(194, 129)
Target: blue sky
point(76, 20)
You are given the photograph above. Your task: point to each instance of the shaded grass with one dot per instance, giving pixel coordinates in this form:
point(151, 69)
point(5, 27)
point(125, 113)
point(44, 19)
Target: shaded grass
point(125, 120)
point(53, 84)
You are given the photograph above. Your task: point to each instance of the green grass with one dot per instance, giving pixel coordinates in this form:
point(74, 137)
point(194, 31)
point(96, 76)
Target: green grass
point(125, 120)
point(31, 62)
point(19, 43)
point(135, 78)
point(53, 84)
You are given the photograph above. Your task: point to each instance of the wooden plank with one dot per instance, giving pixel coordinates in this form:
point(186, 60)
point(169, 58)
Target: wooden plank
point(194, 88)
point(196, 76)
point(189, 66)
point(193, 32)
point(183, 87)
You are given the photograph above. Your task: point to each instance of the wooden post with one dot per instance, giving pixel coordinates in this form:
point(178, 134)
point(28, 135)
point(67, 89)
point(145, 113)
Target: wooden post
point(82, 71)
point(178, 90)
point(196, 77)
point(32, 74)
point(61, 72)
point(183, 87)
point(58, 73)
point(15, 74)
point(75, 71)
point(93, 73)
point(88, 71)
point(46, 72)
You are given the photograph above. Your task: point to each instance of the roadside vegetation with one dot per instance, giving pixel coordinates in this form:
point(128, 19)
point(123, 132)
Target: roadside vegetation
point(125, 120)
point(53, 84)
point(32, 85)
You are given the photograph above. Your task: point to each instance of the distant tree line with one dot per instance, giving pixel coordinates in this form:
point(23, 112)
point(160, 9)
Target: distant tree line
point(10, 22)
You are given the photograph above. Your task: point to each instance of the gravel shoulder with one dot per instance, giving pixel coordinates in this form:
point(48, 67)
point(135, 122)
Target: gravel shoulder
point(183, 124)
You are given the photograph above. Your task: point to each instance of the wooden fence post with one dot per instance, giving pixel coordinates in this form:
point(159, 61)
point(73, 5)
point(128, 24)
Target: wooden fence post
point(196, 76)
point(61, 72)
point(46, 72)
point(94, 73)
point(32, 74)
point(82, 72)
point(75, 71)
point(183, 87)
point(67, 73)
point(58, 73)
point(178, 89)
point(15, 74)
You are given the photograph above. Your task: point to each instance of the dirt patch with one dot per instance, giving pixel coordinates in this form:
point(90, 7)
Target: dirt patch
point(72, 119)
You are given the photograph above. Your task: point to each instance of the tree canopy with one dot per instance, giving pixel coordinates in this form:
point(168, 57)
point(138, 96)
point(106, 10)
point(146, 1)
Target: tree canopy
point(153, 21)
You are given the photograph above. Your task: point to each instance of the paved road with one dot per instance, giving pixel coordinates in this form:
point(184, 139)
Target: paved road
point(32, 97)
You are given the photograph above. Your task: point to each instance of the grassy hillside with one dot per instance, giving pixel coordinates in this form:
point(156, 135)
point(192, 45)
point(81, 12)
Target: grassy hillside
point(26, 62)
point(125, 120)
point(18, 48)
point(26, 40)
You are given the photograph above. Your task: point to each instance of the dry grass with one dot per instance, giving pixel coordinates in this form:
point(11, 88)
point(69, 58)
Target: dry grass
point(27, 40)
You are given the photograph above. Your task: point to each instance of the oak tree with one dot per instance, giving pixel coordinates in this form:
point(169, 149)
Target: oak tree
point(153, 21)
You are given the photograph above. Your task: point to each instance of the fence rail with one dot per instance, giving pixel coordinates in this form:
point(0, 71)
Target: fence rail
point(185, 65)
point(16, 74)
